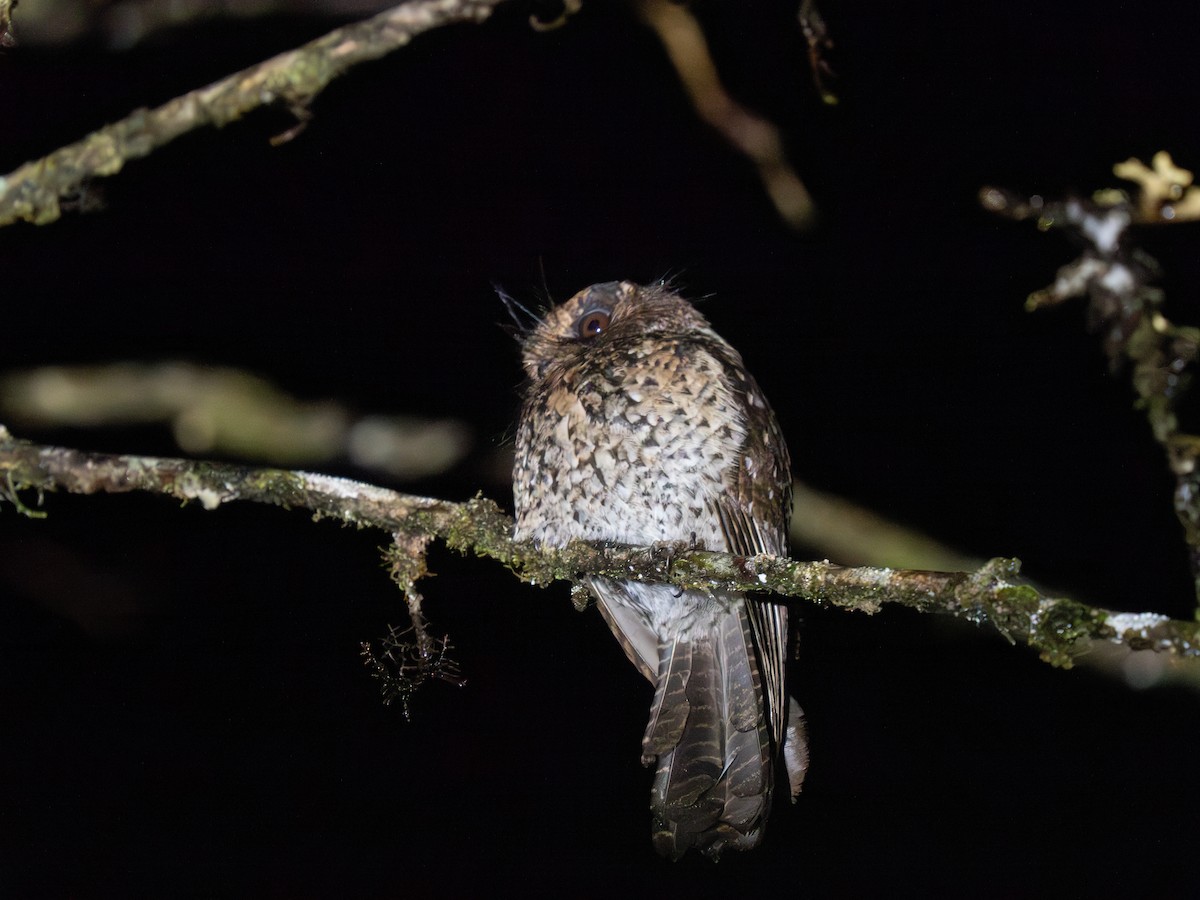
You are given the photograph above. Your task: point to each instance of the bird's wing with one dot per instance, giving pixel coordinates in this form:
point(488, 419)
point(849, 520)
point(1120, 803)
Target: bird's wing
point(754, 512)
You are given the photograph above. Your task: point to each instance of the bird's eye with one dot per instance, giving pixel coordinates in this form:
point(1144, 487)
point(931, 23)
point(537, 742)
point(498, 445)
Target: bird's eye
point(593, 323)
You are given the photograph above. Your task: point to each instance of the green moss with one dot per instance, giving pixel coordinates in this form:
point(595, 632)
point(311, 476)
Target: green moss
point(405, 561)
point(1052, 626)
point(1018, 598)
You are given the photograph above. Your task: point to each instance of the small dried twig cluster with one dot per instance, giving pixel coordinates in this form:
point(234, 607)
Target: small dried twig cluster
point(410, 657)
point(407, 659)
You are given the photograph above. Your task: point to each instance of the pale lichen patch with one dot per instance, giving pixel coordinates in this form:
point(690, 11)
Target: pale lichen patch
point(346, 488)
point(1139, 623)
point(191, 488)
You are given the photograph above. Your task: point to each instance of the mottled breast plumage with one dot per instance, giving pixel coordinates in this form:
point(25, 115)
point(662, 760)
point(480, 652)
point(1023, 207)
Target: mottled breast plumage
point(640, 429)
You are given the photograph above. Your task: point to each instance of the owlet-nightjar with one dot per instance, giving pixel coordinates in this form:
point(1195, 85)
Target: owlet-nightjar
point(640, 425)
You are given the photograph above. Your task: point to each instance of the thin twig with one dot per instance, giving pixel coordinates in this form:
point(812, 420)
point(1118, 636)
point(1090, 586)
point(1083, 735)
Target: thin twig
point(33, 192)
point(751, 134)
point(1056, 627)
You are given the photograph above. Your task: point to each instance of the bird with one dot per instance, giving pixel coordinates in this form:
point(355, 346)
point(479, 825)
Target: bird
point(640, 425)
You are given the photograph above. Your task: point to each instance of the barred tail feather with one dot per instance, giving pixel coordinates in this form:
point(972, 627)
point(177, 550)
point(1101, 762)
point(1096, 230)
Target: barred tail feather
point(708, 731)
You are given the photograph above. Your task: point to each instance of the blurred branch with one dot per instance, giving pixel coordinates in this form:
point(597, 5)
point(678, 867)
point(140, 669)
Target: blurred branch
point(1058, 628)
point(225, 411)
point(121, 24)
point(293, 79)
point(751, 134)
point(6, 34)
point(816, 35)
point(1141, 669)
point(1165, 191)
point(855, 535)
point(1125, 308)
point(228, 411)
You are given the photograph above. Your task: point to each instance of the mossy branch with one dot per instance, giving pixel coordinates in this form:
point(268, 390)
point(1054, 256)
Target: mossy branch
point(1058, 628)
point(293, 79)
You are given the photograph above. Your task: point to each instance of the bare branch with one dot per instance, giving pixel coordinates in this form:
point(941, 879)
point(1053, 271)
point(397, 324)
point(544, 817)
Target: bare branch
point(33, 192)
point(754, 136)
point(1056, 627)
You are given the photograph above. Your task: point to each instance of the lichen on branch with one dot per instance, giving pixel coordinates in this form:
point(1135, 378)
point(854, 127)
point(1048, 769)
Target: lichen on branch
point(1123, 305)
point(1058, 628)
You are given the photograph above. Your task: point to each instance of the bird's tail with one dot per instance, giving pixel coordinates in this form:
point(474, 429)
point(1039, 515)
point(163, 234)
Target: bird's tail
point(710, 736)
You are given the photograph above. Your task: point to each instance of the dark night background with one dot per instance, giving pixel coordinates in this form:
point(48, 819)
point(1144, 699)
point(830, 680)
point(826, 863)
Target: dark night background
point(182, 703)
